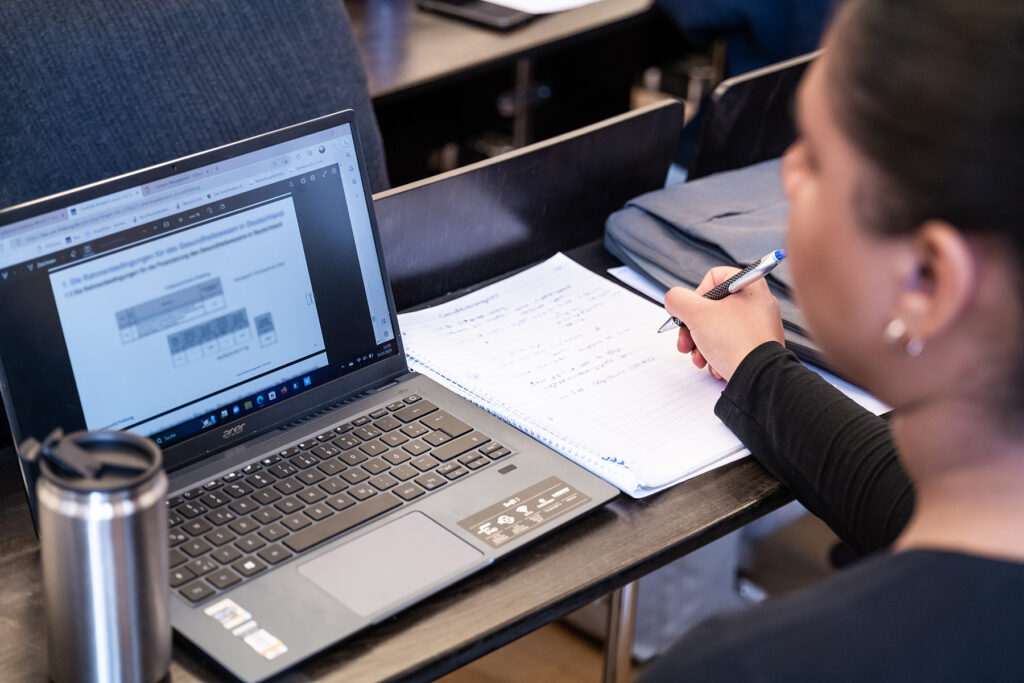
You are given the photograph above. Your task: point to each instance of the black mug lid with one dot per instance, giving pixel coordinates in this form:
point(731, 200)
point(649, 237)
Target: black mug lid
point(102, 460)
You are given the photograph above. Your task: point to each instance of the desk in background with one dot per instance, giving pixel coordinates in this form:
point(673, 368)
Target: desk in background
point(448, 93)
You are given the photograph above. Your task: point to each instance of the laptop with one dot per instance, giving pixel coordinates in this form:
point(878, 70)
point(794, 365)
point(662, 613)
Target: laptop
point(234, 307)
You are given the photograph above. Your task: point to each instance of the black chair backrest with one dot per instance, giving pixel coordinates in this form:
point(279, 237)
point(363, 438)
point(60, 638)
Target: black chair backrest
point(749, 118)
point(97, 88)
point(460, 228)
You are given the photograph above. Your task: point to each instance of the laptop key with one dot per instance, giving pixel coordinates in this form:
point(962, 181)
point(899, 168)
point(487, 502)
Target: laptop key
point(201, 565)
point(341, 501)
point(196, 547)
point(456, 473)
point(346, 442)
point(449, 424)
point(318, 511)
point(307, 444)
point(404, 471)
point(296, 522)
point(325, 451)
point(226, 555)
point(375, 466)
point(175, 537)
point(237, 489)
point(459, 446)
point(353, 457)
point(219, 537)
point(416, 447)
point(310, 477)
point(289, 452)
point(397, 405)
point(174, 519)
point(274, 554)
point(214, 499)
point(360, 421)
point(424, 463)
point(383, 482)
point(197, 590)
point(267, 515)
point(414, 430)
point(408, 491)
point(221, 516)
point(394, 438)
point(410, 413)
point(289, 505)
point(196, 527)
point(500, 453)
point(304, 460)
point(326, 436)
point(373, 448)
point(431, 481)
point(412, 398)
point(386, 424)
point(232, 476)
point(270, 460)
point(243, 525)
point(312, 495)
point(342, 521)
point(273, 532)
point(259, 480)
point(379, 413)
point(243, 506)
point(252, 467)
point(248, 566)
point(355, 476)
point(333, 485)
point(332, 466)
point(250, 543)
point(223, 578)
point(180, 576)
point(396, 457)
point(287, 486)
point(190, 509)
point(175, 557)
point(282, 469)
point(478, 463)
point(362, 492)
point(211, 485)
point(471, 457)
point(436, 438)
point(192, 493)
point(266, 496)
point(367, 433)
point(341, 429)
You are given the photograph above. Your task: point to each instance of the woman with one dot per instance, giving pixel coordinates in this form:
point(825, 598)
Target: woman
point(906, 244)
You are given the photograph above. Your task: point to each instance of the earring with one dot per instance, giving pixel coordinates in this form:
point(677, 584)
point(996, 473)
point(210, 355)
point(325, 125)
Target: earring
point(896, 333)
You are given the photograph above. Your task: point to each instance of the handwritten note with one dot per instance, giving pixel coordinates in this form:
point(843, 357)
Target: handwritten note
point(573, 360)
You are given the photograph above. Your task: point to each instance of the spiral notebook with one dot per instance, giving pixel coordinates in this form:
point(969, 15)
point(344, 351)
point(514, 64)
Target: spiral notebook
point(573, 360)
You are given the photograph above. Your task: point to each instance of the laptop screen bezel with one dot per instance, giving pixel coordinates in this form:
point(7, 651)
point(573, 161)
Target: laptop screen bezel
point(272, 416)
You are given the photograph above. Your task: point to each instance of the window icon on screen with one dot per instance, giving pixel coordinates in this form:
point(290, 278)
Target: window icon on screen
point(235, 410)
point(259, 400)
point(272, 395)
point(306, 381)
point(248, 405)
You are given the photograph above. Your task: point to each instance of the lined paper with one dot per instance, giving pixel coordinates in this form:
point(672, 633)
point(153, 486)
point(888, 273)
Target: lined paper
point(573, 360)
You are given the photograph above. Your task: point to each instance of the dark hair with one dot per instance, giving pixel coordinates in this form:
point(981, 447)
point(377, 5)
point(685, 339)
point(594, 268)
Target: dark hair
point(932, 94)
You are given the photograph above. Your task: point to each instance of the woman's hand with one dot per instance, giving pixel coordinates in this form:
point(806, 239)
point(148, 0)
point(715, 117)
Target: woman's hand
point(720, 334)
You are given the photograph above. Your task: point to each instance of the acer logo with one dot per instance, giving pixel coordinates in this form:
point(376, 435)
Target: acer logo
point(234, 431)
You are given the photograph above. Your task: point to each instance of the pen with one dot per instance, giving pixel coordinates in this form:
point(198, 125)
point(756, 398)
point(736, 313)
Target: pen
point(755, 271)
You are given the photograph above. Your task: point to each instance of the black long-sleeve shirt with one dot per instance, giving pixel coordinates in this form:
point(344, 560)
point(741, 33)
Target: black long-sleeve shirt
point(920, 615)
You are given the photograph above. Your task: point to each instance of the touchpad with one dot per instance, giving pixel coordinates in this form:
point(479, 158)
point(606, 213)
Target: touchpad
point(391, 564)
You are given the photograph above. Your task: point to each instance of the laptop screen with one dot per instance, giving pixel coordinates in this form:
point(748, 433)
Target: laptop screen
point(191, 300)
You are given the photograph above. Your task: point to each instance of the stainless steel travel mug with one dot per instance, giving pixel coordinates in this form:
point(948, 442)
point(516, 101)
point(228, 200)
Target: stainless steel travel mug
point(103, 532)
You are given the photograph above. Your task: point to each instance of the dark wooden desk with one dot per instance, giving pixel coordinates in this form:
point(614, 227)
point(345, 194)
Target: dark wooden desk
point(404, 48)
point(560, 573)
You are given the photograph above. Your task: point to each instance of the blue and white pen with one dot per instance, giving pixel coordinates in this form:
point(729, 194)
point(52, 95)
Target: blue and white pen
point(752, 273)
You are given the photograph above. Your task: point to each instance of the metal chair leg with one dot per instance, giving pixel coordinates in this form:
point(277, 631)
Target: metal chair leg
point(618, 649)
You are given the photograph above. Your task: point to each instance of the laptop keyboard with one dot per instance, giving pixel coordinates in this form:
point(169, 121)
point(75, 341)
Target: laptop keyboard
point(235, 527)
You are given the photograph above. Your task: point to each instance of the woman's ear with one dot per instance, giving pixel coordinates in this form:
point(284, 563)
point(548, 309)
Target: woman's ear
point(940, 279)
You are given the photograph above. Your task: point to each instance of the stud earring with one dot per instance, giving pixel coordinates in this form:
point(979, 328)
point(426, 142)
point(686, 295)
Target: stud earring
point(896, 333)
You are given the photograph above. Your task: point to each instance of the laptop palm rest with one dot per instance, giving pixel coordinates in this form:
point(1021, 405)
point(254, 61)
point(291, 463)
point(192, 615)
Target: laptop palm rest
point(391, 565)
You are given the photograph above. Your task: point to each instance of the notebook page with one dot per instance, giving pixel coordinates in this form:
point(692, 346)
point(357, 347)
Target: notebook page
point(574, 360)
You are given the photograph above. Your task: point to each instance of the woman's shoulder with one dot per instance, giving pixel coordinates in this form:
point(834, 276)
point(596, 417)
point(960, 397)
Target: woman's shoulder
point(918, 615)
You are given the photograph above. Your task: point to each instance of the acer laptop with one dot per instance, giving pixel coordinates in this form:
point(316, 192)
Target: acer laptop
point(234, 306)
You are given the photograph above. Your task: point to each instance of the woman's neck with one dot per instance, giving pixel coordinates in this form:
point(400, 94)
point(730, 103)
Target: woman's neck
point(969, 480)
